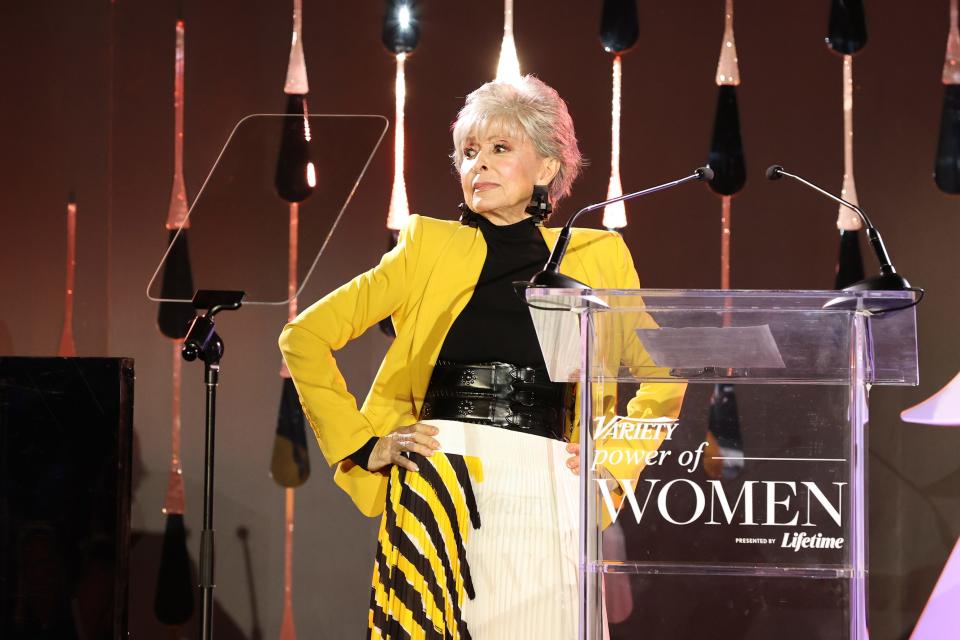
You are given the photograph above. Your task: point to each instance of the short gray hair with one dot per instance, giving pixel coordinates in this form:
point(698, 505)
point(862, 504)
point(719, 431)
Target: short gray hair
point(534, 110)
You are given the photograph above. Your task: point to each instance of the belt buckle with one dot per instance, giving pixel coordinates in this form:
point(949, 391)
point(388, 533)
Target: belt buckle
point(525, 397)
point(523, 421)
point(526, 375)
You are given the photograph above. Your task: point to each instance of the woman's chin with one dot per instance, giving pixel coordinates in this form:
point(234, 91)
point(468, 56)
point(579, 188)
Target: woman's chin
point(481, 205)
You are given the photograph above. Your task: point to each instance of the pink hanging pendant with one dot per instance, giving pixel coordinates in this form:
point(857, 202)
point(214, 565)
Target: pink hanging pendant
point(68, 347)
point(615, 215)
point(508, 67)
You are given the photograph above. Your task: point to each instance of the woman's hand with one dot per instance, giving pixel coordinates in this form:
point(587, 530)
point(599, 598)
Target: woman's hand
point(389, 449)
point(573, 462)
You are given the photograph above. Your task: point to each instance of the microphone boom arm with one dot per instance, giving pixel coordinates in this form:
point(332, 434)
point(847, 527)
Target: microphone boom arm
point(873, 235)
point(551, 276)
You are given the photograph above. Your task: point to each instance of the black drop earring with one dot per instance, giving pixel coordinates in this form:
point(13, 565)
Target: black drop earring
point(540, 207)
point(468, 216)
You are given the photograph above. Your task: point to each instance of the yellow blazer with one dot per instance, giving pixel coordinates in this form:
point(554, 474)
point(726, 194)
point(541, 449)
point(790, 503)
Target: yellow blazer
point(422, 285)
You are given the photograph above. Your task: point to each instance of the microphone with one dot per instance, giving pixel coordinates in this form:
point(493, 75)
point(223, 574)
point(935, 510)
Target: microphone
point(889, 279)
point(551, 277)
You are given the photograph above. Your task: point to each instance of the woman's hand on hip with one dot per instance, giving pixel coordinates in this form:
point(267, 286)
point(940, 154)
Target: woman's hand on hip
point(390, 448)
point(573, 463)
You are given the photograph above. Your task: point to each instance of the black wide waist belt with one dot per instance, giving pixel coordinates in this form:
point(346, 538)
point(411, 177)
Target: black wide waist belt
point(498, 394)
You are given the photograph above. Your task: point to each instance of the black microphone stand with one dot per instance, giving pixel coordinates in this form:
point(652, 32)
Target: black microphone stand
point(889, 279)
point(551, 277)
point(203, 342)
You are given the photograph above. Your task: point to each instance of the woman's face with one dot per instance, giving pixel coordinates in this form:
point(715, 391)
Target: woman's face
point(498, 172)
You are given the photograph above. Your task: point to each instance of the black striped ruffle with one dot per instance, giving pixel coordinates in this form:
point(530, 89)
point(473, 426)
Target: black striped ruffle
point(421, 574)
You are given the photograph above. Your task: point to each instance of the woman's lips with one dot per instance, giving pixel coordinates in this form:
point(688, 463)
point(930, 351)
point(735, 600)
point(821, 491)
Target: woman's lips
point(483, 186)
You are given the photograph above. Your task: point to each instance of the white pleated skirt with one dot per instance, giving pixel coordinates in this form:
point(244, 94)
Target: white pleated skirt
point(482, 543)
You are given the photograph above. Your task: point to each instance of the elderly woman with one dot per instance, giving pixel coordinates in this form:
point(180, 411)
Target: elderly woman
point(478, 536)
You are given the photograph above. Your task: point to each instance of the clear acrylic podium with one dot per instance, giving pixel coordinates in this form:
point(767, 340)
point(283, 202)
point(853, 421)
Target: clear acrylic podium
point(743, 514)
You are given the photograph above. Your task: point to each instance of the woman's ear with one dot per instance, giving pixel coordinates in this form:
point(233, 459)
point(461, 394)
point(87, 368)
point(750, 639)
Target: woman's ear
point(549, 169)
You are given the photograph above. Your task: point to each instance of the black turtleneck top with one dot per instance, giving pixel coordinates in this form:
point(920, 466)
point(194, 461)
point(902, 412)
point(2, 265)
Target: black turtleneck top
point(495, 326)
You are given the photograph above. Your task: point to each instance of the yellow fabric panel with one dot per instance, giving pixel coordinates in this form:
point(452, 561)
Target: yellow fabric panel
point(440, 614)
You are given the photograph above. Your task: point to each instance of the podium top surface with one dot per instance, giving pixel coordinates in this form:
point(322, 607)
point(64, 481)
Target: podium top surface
point(706, 335)
point(726, 299)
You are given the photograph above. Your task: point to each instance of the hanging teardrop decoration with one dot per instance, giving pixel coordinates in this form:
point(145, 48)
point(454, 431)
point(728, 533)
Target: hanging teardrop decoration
point(725, 458)
point(68, 346)
point(847, 34)
point(295, 181)
point(618, 34)
point(508, 67)
point(615, 215)
point(399, 209)
point(290, 462)
point(946, 171)
point(943, 407)
point(173, 318)
point(400, 36)
point(849, 260)
point(619, 28)
point(401, 30)
point(296, 177)
point(847, 30)
point(174, 598)
point(724, 435)
point(726, 147)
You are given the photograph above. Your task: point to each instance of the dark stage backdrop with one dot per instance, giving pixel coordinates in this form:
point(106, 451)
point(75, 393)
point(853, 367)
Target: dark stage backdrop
point(61, 131)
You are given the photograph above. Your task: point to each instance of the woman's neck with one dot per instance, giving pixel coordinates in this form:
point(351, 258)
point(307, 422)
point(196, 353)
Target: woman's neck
point(503, 218)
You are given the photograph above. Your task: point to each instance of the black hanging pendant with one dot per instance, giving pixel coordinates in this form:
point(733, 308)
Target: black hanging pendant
point(849, 261)
point(290, 462)
point(400, 30)
point(174, 599)
point(386, 325)
point(618, 25)
point(726, 147)
point(946, 172)
point(847, 31)
point(173, 318)
point(292, 178)
point(724, 434)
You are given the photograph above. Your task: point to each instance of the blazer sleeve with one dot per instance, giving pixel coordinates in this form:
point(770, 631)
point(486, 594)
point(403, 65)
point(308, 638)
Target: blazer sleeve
point(308, 343)
point(652, 399)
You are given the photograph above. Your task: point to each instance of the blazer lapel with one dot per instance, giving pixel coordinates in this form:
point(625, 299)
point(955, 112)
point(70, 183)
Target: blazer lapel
point(448, 288)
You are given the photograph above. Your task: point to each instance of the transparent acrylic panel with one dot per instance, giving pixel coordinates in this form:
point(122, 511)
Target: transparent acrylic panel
point(741, 505)
point(769, 495)
point(726, 481)
point(239, 225)
point(799, 337)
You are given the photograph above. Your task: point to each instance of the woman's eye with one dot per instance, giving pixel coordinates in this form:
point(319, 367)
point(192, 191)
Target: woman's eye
point(500, 148)
point(469, 152)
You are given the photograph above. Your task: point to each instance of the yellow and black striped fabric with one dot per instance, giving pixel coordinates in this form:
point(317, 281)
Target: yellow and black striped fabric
point(421, 574)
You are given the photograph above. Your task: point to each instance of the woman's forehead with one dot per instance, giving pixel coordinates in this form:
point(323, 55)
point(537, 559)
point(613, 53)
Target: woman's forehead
point(492, 128)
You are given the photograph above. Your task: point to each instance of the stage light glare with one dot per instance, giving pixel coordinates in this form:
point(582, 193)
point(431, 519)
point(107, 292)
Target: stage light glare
point(311, 175)
point(403, 17)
